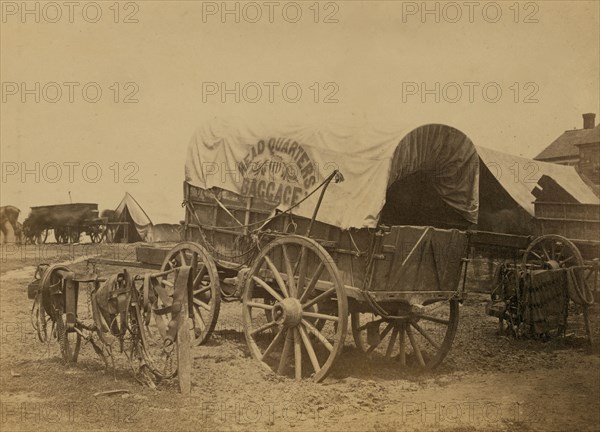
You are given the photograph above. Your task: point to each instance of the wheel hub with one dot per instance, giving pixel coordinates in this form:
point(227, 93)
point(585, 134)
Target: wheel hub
point(288, 312)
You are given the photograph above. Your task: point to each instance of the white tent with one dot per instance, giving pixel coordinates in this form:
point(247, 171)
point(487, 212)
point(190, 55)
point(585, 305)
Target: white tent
point(139, 224)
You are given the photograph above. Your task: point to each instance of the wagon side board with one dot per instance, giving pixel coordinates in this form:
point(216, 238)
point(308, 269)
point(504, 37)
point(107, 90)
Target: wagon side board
point(431, 270)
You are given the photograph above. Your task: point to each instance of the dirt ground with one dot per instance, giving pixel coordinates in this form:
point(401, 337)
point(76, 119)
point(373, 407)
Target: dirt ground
point(488, 382)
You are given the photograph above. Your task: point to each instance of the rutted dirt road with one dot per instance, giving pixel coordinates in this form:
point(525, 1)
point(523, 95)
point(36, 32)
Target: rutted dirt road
point(488, 382)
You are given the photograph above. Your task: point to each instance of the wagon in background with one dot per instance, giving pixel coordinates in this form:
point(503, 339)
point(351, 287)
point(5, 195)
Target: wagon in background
point(68, 221)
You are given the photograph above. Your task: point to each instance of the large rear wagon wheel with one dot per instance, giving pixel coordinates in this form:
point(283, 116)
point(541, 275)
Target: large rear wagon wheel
point(295, 309)
point(552, 251)
point(206, 298)
point(422, 338)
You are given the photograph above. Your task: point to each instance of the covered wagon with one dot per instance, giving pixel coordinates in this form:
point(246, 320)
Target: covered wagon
point(309, 226)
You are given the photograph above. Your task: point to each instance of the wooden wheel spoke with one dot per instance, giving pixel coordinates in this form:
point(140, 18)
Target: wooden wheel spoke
point(287, 346)
point(202, 290)
point(297, 354)
point(320, 316)
point(537, 256)
point(203, 305)
point(289, 271)
point(313, 282)
point(267, 288)
point(537, 263)
point(301, 267)
point(416, 348)
point(425, 335)
point(277, 277)
point(263, 327)
point(390, 347)
point(317, 299)
point(433, 319)
point(553, 250)
point(364, 326)
point(260, 305)
point(572, 257)
point(167, 283)
point(402, 344)
point(309, 349)
point(312, 329)
point(546, 254)
point(274, 342)
point(199, 320)
point(199, 275)
point(182, 258)
point(382, 335)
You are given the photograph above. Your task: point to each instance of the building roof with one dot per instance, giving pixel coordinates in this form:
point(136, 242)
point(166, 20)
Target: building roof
point(566, 144)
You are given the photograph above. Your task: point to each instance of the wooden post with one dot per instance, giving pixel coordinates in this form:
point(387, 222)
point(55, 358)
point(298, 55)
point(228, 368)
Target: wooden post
point(184, 344)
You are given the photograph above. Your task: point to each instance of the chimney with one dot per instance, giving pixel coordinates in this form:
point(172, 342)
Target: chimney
point(589, 121)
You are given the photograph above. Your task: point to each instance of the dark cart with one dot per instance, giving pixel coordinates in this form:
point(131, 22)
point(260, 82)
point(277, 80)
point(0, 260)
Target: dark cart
point(68, 221)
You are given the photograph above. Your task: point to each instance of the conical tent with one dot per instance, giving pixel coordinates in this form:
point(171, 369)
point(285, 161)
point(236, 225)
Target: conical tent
point(139, 224)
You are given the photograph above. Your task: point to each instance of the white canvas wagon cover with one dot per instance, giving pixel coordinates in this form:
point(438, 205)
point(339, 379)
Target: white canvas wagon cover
point(284, 163)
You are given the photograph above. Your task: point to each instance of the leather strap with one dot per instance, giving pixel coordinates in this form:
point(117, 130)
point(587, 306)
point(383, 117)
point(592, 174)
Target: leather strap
point(181, 290)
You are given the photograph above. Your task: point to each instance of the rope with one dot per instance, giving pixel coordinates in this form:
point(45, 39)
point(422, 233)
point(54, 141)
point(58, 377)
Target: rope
point(210, 246)
point(579, 294)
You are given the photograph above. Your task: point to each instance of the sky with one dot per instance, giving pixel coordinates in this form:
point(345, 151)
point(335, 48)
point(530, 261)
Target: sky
point(120, 98)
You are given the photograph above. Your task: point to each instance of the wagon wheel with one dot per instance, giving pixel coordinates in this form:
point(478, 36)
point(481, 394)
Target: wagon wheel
point(291, 278)
point(152, 326)
point(97, 233)
point(68, 340)
point(423, 337)
point(206, 286)
point(39, 319)
point(552, 251)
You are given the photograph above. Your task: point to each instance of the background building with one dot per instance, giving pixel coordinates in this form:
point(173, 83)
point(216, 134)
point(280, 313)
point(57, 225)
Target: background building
point(579, 148)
